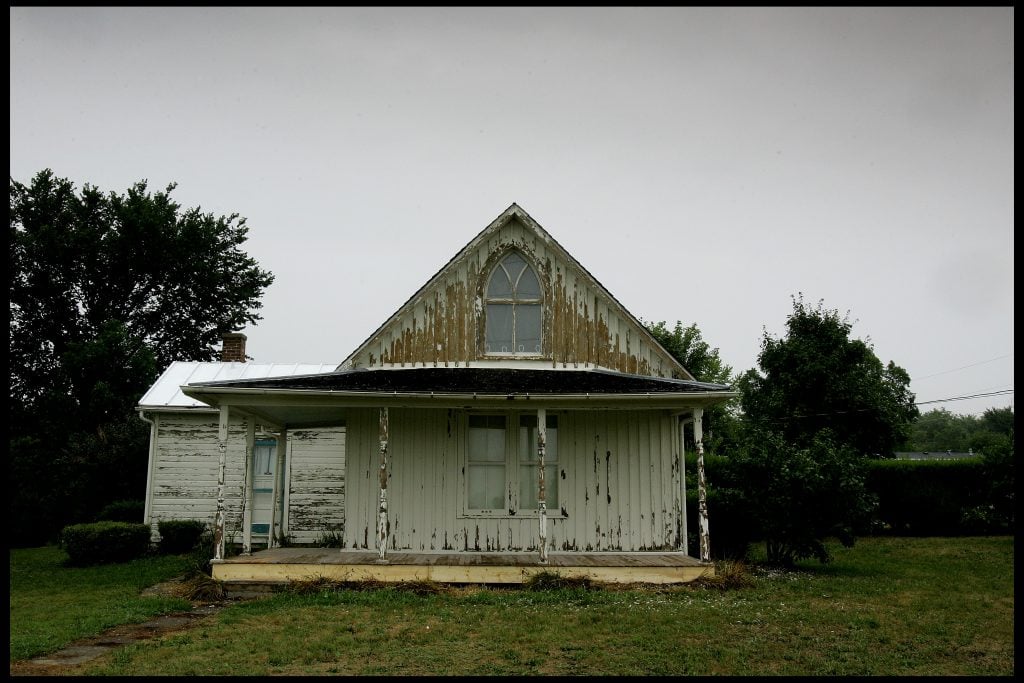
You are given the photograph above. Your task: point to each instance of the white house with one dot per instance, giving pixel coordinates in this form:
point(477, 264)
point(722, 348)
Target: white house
point(512, 408)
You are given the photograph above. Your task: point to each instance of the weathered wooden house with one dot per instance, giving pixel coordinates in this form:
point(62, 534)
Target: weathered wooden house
point(511, 416)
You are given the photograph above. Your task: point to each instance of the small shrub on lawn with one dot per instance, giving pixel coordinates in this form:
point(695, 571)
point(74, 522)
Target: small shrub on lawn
point(104, 542)
point(122, 511)
point(179, 536)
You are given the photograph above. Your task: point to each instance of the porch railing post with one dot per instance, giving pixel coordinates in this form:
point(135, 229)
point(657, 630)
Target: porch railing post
point(382, 521)
point(542, 493)
point(702, 494)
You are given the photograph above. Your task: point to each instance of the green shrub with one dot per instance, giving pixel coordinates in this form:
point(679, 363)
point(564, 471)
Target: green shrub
point(122, 511)
point(179, 536)
point(104, 542)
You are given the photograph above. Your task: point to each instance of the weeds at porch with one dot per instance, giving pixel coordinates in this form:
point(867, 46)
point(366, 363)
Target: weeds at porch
point(321, 584)
point(202, 588)
point(729, 575)
point(546, 580)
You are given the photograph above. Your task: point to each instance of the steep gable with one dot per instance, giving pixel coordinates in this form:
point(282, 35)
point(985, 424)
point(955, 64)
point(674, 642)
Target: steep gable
point(581, 324)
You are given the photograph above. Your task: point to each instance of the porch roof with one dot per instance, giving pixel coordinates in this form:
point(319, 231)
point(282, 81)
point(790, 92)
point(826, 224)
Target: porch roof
point(484, 380)
point(321, 398)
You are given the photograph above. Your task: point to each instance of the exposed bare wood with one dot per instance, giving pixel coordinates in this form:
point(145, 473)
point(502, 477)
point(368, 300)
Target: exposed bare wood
point(702, 496)
point(382, 522)
point(222, 446)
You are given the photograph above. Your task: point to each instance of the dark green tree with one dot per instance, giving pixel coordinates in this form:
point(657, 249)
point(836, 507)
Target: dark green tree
point(798, 496)
point(687, 345)
point(817, 377)
point(106, 289)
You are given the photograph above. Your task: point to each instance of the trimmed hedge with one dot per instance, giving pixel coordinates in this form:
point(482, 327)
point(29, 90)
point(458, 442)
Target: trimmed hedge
point(930, 497)
point(122, 511)
point(915, 498)
point(105, 542)
point(179, 536)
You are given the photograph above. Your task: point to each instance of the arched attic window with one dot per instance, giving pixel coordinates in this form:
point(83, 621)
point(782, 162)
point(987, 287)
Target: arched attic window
point(513, 309)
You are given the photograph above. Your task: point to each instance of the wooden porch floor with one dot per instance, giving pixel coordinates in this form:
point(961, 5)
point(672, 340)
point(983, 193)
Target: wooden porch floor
point(282, 565)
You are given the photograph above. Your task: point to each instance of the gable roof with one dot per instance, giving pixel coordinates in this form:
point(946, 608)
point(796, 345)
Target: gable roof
point(658, 361)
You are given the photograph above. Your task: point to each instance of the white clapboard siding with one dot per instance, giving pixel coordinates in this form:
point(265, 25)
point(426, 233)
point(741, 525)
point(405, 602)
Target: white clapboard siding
point(316, 483)
point(185, 470)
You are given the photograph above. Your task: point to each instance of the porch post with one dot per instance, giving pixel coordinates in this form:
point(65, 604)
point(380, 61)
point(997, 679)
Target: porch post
point(276, 518)
point(702, 494)
point(247, 467)
point(682, 476)
point(382, 521)
point(222, 445)
point(542, 437)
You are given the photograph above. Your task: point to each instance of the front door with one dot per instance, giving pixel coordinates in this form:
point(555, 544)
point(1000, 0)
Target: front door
point(264, 468)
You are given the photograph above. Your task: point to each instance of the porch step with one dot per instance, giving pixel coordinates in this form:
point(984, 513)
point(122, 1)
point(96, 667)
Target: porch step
point(252, 589)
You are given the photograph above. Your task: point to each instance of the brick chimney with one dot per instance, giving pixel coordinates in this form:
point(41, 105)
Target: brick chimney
point(233, 348)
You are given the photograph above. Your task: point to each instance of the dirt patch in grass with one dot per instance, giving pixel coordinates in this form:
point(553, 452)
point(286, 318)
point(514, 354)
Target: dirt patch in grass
point(68, 660)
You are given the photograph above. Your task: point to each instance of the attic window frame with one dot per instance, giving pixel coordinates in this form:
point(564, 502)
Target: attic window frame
point(515, 302)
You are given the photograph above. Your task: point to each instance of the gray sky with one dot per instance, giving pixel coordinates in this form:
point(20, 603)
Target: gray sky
point(704, 165)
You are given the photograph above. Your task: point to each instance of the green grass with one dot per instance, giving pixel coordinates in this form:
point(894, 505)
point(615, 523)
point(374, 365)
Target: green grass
point(888, 606)
point(53, 605)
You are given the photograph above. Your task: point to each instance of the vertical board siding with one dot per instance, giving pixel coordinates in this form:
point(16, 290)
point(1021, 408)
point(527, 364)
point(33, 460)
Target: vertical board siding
point(582, 326)
point(619, 491)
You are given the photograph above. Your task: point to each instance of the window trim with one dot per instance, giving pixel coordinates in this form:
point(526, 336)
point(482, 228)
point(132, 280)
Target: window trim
point(513, 301)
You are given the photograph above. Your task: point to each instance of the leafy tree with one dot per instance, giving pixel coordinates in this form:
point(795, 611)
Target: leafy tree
point(817, 378)
point(941, 430)
point(105, 290)
point(687, 345)
point(798, 496)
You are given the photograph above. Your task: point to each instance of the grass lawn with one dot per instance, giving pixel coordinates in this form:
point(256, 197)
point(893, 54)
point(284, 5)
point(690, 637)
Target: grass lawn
point(53, 605)
point(888, 606)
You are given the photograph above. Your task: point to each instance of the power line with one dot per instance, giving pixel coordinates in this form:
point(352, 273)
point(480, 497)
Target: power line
point(963, 398)
point(962, 367)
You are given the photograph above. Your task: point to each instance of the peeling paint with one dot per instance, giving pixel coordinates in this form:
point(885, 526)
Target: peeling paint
point(581, 324)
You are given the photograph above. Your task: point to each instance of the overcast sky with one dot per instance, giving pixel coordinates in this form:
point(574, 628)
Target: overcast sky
point(705, 165)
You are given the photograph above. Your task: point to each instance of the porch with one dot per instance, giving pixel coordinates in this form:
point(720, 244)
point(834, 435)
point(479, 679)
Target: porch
point(283, 565)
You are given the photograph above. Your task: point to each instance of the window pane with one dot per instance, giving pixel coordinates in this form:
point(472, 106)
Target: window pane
point(528, 328)
point(528, 286)
point(529, 485)
point(499, 287)
point(499, 328)
point(486, 487)
point(486, 438)
point(514, 265)
point(263, 455)
point(528, 439)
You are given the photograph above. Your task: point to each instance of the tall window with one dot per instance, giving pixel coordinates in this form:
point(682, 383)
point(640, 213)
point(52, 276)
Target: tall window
point(513, 301)
point(500, 461)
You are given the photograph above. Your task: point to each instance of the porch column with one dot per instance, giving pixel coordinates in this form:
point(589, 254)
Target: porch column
point(682, 476)
point(702, 494)
point(222, 445)
point(382, 521)
point(247, 467)
point(276, 534)
point(542, 436)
